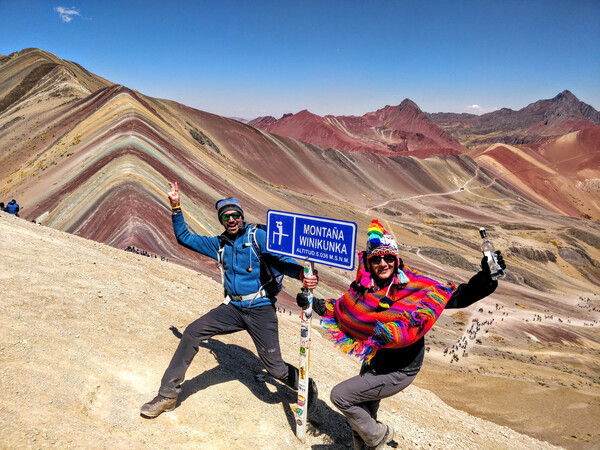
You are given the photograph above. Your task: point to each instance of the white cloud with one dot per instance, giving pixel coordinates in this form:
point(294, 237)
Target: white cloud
point(66, 14)
point(476, 109)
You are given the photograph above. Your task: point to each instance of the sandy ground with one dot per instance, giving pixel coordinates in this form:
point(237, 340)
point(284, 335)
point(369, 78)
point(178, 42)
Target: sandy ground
point(87, 331)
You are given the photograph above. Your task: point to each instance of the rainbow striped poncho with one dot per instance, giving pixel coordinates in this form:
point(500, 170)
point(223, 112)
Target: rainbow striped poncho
point(359, 325)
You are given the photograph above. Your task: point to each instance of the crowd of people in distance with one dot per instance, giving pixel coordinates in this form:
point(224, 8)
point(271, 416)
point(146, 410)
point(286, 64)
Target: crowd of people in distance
point(477, 326)
point(139, 251)
point(588, 305)
point(463, 342)
point(539, 318)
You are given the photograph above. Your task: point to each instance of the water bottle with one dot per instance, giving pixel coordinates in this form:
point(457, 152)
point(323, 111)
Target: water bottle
point(492, 259)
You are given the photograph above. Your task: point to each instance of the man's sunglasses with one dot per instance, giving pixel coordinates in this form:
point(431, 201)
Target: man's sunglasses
point(225, 217)
point(387, 258)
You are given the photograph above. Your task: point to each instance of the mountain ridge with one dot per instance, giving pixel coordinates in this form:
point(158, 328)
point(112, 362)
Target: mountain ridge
point(391, 130)
point(538, 121)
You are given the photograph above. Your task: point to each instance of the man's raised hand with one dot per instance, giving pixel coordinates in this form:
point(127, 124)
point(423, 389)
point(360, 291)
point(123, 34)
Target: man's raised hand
point(173, 195)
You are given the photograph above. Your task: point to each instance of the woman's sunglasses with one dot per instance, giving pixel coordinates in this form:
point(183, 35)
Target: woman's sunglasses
point(387, 258)
point(225, 217)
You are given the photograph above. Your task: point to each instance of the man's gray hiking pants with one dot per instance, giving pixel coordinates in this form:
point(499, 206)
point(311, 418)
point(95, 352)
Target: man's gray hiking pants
point(259, 322)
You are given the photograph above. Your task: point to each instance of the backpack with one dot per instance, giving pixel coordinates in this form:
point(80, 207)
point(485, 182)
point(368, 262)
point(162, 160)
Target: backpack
point(271, 279)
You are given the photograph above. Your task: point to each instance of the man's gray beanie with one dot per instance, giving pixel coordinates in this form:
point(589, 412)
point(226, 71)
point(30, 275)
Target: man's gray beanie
point(228, 204)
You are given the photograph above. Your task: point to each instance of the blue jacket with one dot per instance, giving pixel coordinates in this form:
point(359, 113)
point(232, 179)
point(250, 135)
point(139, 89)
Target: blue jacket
point(12, 208)
point(237, 258)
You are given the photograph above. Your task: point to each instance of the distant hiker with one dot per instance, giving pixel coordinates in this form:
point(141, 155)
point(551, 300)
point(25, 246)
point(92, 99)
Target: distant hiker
point(12, 208)
point(247, 305)
point(383, 318)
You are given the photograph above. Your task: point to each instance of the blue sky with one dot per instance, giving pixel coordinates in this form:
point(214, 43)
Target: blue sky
point(252, 58)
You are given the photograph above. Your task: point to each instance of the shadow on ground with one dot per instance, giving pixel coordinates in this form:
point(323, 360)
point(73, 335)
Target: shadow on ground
point(238, 363)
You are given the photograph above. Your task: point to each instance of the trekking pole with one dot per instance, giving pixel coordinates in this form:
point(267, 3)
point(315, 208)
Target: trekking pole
point(303, 385)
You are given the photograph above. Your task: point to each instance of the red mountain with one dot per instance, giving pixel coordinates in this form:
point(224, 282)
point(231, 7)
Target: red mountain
point(393, 130)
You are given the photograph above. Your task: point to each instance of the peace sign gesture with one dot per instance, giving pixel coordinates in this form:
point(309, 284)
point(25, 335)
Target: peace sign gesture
point(173, 195)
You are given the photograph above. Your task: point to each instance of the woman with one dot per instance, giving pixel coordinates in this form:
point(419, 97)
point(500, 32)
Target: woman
point(383, 318)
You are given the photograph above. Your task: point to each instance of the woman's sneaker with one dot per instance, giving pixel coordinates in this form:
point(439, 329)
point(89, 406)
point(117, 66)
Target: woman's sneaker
point(157, 406)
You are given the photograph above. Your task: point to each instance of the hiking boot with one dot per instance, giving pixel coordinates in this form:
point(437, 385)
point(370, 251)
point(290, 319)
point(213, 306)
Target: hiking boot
point(313, 395)
point(157, 406)
point(387, 437)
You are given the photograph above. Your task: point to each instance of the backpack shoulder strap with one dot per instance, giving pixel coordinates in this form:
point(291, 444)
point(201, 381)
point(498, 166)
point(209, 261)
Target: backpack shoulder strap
point(220, 259)
point(252, 238)
point(220, 251)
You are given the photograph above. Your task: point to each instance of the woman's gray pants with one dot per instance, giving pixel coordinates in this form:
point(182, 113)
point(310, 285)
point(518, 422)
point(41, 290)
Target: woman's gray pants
point(358, 399)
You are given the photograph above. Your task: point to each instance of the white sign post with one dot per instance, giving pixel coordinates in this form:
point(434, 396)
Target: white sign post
point(313, 239)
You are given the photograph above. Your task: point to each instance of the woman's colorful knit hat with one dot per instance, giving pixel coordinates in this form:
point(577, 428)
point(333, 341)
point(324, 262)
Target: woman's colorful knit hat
point(379, 241)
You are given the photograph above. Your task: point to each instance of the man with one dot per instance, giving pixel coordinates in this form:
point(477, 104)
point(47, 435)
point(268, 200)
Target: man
point(246, 307)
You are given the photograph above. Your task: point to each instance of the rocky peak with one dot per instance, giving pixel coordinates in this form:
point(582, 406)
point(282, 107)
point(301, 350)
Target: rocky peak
point(262, 121)
point(408, 110)
point(567, 104)
point(305, 114)
point(566, 101)
point(565, 96)
point(409, 104)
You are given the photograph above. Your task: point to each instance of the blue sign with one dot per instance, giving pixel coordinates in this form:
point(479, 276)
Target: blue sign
point(327, 241)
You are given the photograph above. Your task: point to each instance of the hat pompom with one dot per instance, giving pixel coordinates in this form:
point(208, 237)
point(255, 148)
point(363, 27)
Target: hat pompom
point(375, 229)
point(374, 234)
